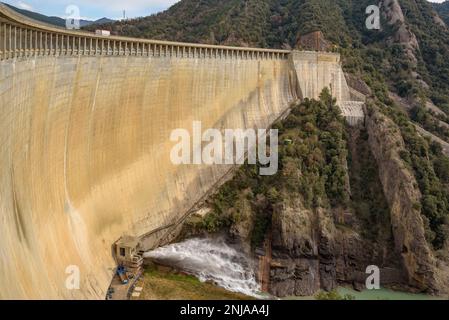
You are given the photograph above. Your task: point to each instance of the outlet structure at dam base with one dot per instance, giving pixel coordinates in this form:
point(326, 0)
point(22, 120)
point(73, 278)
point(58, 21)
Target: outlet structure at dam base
point(85, 127)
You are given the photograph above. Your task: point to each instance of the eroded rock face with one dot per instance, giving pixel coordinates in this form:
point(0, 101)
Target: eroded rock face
point(402, 194)
point(393, 11)
point(310, 253)
point(394, 15)
point(241, 232)
point(314, 41)
point(358, 84)
point(437, 19)
point(295, 267)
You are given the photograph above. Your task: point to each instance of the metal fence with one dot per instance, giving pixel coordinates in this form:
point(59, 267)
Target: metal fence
point(21, 37)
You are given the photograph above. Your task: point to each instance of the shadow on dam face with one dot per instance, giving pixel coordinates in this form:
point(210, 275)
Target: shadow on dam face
point(84, 152)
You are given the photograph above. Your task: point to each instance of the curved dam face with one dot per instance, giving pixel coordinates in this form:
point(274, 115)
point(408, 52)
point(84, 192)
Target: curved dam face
point(85, 128)
point(85, 155)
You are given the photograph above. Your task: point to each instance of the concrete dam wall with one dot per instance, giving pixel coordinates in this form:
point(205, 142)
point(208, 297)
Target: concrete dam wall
point(85, 128)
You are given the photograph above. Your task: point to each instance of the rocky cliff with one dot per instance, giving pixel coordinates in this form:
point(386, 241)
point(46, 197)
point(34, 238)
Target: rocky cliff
point(319, 249)
point(403, 196)
point(394, 16)
point(312, 252)
point(323, 248)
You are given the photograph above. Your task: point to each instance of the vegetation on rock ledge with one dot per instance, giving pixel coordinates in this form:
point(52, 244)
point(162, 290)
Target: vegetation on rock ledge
point(312, 167)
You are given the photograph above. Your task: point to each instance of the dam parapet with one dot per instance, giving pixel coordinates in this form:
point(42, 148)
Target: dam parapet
point(24, 37)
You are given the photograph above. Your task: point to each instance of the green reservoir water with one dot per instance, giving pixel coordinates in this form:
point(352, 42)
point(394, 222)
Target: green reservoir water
point(385, 294)
point(382, 294)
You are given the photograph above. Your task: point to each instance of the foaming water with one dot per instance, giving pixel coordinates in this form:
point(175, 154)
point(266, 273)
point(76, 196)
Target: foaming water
point(211, 260)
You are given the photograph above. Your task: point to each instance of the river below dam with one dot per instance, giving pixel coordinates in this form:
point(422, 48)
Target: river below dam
point(385, 294)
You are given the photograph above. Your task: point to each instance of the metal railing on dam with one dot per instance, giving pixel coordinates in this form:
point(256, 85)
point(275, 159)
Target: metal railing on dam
point(21, 37)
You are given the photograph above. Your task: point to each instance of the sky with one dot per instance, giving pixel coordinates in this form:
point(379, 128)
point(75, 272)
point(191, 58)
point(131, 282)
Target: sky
point(95, 9)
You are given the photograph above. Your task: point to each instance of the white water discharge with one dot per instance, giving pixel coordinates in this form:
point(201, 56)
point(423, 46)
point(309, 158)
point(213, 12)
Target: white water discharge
point(211, 260)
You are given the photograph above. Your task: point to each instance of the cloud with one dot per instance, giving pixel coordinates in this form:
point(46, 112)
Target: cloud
point(23, 5)
point(132, 7)
point(95, 8)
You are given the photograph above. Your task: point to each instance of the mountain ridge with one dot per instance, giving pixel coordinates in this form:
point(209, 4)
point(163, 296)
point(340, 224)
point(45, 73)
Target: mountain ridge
point(443, 10)
point(57, 21)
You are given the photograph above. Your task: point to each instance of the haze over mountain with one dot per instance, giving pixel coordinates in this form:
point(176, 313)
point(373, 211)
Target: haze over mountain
point(443, 10)
point(57, 21)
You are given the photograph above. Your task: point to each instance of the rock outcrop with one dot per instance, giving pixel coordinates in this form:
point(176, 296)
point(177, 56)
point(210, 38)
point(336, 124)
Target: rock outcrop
point(437, 19)
point(314, 41)
point(394, 16)
point(392, 11)
point(358, 84)
point(312, 252)
point(403, 196)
